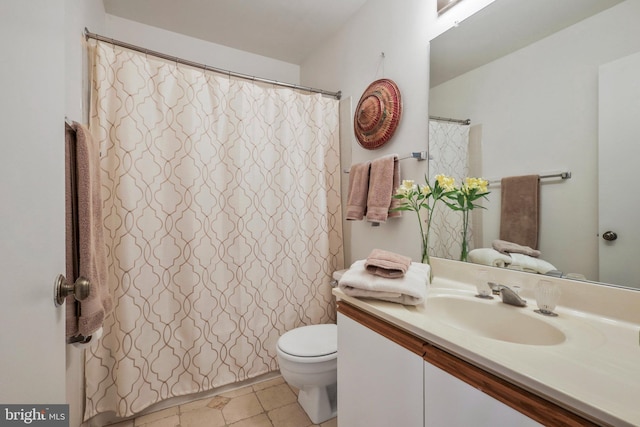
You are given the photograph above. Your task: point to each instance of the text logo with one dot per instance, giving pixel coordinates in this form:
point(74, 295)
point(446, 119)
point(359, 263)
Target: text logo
point(34, 415)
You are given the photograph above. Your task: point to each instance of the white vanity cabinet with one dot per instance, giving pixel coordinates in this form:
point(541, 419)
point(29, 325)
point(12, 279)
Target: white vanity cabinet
point(379, 382)
point(389, 377)
point(451, 402)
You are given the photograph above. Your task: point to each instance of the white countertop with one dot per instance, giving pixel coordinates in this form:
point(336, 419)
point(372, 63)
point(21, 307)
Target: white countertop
point(595, 371)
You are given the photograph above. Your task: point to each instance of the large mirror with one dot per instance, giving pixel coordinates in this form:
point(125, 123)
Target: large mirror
point(528, 75)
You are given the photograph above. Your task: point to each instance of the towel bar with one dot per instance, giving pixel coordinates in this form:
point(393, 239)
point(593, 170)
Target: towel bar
point(563, 175)
point(418, 155)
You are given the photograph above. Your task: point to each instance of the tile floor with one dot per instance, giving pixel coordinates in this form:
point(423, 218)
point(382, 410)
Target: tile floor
point(272, 403)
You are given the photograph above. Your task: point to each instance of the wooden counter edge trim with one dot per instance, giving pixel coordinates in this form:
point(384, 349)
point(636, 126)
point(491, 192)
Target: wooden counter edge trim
point(523, 401)
point(400, 337)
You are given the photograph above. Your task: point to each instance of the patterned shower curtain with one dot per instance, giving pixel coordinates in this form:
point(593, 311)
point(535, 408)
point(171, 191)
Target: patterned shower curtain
point(222, 220)
point(449, 147)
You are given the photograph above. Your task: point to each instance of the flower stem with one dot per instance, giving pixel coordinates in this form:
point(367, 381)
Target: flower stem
point(464, 253)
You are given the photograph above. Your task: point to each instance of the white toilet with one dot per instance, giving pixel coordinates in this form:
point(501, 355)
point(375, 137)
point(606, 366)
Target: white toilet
point(308, 358)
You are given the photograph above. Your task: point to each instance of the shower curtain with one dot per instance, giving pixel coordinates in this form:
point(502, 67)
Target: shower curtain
point(222, 220)
point(449, 147)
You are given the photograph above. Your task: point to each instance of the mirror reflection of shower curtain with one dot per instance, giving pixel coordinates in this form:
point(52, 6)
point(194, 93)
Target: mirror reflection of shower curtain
point(222, 224)
point(449, 151)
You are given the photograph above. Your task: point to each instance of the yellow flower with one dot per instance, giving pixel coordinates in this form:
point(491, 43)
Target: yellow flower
point(475, 183)
point(447, 183)
point(408, 184)
point(426, 190)
point(406, 188)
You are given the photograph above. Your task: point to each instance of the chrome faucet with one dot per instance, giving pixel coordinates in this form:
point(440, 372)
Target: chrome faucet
point(508, 295)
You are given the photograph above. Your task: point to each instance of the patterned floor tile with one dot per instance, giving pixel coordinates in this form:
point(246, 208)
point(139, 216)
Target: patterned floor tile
point(271, 403)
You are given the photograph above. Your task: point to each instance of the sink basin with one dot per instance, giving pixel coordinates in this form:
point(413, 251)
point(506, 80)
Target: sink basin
point(494, 319)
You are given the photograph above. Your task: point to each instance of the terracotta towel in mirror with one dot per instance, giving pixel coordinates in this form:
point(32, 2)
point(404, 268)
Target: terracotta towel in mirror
point(520, 210)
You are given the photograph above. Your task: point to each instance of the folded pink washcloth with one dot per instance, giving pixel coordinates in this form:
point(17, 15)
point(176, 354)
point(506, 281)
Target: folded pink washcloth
point(509, 247)
point(387, 264)
point(358, 191)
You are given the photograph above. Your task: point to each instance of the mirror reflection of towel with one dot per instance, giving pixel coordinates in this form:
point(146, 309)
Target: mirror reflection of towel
point(520, 210)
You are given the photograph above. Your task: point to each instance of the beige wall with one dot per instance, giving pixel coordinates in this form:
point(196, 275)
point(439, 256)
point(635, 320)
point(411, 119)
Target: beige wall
point(349, 62)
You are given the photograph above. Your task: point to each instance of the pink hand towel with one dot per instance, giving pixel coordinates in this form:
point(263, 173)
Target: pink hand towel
point(396, 183)
point(89, 235)
point(358, 190)
point(381, 189)
point(387, 264)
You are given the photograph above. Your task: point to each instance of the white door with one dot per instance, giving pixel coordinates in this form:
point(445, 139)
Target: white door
point(32, 360)
point(618, 153)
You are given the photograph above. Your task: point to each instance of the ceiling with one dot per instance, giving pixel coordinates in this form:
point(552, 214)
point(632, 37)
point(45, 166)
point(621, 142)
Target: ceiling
point(502, 27)
point(288, 30)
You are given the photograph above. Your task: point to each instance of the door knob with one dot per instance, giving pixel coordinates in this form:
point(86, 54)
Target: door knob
point(62, 289)
point(609, 236)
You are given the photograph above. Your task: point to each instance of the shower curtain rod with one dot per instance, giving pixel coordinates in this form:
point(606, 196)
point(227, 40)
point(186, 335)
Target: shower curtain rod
point(446, 119)
point(90, 35)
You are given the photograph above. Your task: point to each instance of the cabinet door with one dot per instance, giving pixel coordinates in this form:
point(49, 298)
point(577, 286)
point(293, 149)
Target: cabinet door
point(451, 402)
point(379, 381)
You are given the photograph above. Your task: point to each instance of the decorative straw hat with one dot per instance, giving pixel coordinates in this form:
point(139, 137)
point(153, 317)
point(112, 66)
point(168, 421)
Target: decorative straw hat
point(377, 114)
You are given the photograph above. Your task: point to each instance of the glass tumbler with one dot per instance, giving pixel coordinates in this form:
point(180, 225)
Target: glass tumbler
point(482, 284)
point(547, 296)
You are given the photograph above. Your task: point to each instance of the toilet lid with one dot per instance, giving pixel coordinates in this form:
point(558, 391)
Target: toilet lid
point(310, 341)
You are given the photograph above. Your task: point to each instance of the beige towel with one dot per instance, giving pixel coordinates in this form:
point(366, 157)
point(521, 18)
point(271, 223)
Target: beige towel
point(358, 190)
point(91, 249)
point(514, 261)
point(409, 290)
point(510, 247)
point(489, 256)
point(387, 264)
point(381, 187)
point(520, 210)
point(71, 229)
point(396, 183)
point(523, 262)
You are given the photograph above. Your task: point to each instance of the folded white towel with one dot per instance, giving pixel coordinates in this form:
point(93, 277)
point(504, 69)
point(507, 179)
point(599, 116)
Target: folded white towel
point(530, 264)
point(489, 256)
point(411, 289)
point(514, 261)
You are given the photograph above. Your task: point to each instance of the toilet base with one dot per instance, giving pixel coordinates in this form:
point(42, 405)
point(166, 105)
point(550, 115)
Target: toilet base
point(319, 403)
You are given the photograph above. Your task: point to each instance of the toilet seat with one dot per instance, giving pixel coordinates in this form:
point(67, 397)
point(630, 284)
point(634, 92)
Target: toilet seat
point(312, 341)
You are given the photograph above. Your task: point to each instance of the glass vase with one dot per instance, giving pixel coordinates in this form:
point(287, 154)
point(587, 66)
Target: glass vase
point(425, 249)
point(464, 251)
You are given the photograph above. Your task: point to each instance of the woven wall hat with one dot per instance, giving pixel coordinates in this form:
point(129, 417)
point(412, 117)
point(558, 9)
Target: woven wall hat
point(377, 114)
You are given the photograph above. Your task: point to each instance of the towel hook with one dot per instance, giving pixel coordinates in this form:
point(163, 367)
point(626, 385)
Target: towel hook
point(62, 289)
